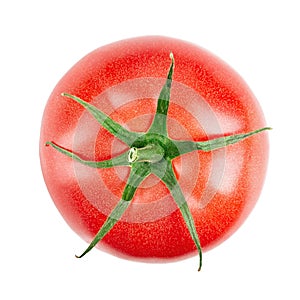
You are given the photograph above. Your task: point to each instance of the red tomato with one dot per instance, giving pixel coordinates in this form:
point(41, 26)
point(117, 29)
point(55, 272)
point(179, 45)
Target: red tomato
point(208, 100)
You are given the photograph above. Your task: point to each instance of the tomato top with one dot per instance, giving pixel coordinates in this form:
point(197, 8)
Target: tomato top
point(181, 151)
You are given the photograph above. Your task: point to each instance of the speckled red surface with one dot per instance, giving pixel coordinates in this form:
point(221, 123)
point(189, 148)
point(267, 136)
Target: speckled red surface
point(208, 99)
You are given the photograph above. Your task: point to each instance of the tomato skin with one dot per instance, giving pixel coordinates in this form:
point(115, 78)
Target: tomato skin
point(165, 237)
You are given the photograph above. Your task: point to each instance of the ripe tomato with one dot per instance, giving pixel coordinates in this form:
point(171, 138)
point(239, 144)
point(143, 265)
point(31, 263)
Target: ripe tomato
point(208, 100)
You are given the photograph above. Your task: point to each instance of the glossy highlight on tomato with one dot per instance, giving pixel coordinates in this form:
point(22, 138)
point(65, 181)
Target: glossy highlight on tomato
point(157, 149)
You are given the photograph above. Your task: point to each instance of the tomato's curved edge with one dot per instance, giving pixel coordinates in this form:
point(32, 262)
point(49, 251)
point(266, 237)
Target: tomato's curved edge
point(150, 37)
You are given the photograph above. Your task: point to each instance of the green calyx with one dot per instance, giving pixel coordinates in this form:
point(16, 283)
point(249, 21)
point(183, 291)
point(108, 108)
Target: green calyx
point(148, 153)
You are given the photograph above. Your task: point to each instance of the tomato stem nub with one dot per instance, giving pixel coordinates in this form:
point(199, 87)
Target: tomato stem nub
point(132, 155)
point(150, 152)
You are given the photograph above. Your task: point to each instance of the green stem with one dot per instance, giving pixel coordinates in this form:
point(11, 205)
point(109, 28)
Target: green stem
point(137, 175)
point(124, 135)
point(227, 140)
point(121, 160)
point(108, 225)
point(159, 124)
point(164, 171)
point(210, 145)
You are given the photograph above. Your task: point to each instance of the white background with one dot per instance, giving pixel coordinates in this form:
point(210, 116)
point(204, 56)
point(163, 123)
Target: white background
point(40, 41)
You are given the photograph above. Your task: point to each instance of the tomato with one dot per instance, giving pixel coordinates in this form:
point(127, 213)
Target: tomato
point(215, 185)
